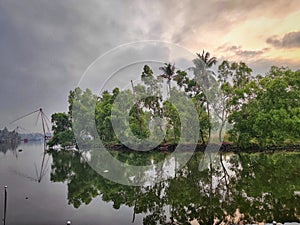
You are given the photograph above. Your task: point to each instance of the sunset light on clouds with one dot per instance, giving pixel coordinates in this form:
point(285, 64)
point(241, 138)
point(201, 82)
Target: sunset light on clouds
point(268, 31)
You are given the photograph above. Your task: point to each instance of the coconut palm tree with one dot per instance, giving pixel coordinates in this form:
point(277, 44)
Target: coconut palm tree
point(205, 57)
point(168, 73)
point(201, 67)
point(203, 75)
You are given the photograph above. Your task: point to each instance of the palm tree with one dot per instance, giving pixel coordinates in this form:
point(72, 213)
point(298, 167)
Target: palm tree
point(201, 65)
point(209, 62)
point(168, 73)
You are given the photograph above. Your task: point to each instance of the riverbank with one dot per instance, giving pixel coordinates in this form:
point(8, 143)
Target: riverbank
point(225, 147)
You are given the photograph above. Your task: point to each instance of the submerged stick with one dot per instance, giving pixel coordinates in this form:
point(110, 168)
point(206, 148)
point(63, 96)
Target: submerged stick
point(5, 205)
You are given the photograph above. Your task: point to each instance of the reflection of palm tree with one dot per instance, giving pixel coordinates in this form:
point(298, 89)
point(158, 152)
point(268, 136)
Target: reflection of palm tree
point(168, 73)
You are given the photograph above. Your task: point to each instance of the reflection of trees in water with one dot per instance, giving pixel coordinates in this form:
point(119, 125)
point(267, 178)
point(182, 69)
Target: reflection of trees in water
point(9, 141)
point(261, 186)
point(11, 146)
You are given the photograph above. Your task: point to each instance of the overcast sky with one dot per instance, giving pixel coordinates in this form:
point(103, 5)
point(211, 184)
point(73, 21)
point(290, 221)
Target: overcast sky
point(45, 46)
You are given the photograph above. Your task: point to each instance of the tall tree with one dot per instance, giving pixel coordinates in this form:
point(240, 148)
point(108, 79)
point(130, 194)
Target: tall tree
point(168, 72)
point(203, 76)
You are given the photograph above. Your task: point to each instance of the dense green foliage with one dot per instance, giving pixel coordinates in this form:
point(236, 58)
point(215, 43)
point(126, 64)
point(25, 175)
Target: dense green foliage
point(62, 130)
point(265, 110)
point(262, 110)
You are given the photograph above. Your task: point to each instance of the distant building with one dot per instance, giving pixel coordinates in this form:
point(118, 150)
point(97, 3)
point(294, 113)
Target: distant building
point(34, 136)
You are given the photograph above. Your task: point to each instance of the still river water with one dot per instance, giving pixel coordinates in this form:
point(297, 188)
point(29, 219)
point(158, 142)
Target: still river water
point(60, 186)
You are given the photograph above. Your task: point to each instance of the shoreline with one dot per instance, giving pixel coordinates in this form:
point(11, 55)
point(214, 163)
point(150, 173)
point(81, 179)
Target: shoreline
point(224, 148)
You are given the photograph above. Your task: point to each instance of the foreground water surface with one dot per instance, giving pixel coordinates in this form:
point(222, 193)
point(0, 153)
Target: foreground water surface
point(59, 186)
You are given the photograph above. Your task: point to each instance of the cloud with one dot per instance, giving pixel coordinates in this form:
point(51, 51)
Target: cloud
point(256, 59)
point(202, 20)
point(289, 40)
point(262, 65)
point(249, 53)
point(237, 53)
point(45, 46)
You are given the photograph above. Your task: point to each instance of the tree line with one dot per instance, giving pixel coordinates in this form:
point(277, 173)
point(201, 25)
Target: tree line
point(261, 110)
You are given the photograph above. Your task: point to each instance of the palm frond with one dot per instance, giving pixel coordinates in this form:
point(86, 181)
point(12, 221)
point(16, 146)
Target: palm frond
point(206, 58)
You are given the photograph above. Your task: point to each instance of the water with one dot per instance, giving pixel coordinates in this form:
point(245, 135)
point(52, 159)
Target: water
point(47, 201)
point(258, 187)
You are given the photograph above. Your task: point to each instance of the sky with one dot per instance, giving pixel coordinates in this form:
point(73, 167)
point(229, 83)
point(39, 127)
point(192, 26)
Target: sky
point(46, 46)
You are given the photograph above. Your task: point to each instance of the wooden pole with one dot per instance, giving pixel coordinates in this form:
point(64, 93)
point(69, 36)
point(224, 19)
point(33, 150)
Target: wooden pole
point(5, 205)
point(43, 125)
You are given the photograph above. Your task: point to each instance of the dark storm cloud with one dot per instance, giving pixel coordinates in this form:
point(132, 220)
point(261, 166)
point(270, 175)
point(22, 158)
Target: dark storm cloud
point(289, 40)
point(45, 47)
